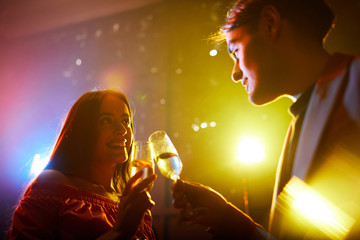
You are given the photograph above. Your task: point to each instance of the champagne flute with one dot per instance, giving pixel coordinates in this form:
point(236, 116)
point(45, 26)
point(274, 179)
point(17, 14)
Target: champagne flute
point(166, 156)
point(141, 158)
point(169, 163)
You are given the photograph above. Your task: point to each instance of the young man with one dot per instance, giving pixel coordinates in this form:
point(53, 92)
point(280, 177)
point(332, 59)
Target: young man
point(277, 47)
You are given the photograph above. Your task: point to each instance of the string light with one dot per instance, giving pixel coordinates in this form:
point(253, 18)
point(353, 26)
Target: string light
point(195, 127)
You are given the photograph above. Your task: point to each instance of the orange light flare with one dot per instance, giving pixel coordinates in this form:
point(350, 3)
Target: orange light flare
point(117, 77)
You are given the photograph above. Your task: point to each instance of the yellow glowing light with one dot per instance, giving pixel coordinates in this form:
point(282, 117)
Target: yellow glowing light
point(320, 212)
point(250, 150)
point(312, 207)
point(213, 52)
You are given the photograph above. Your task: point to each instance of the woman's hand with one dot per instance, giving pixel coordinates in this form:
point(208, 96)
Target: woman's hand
point(134, 202)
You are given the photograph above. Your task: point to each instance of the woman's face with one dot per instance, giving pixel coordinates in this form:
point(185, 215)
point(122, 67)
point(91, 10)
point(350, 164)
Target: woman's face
point(114, 132)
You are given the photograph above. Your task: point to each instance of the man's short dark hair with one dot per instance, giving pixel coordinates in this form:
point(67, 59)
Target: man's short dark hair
point(313, 18)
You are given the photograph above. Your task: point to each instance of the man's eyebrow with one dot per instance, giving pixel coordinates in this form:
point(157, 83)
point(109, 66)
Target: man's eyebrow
point(231, 42)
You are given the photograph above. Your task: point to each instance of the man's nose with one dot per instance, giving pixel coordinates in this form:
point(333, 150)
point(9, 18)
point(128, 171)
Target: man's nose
point(236, 73)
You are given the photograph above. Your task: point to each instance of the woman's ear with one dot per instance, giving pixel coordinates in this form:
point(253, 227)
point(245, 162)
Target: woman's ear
point(270, 21)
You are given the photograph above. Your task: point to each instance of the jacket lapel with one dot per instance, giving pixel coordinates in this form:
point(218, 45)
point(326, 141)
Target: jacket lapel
point(318, 112)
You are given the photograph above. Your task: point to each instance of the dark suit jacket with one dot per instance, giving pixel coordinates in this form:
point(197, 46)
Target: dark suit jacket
point(327, 154)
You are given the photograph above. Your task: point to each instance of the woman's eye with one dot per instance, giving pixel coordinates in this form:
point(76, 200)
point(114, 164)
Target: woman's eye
point(105, 120)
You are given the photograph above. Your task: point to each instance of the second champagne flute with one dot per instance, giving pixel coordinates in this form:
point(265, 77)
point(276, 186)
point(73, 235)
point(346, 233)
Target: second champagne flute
point(166, 156)
point(169, 164)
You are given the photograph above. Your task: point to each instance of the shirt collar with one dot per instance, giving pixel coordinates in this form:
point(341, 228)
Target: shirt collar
point(301, 103)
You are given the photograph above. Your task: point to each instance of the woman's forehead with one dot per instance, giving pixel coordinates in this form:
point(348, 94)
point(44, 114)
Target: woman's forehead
point(113, 104)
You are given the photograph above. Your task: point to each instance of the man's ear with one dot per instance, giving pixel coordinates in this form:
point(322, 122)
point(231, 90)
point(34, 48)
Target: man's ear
point(270, 21)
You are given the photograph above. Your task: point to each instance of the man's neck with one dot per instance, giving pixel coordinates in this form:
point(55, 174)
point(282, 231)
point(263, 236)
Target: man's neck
point(307, 69)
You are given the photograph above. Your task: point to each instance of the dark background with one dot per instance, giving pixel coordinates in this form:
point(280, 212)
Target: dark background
point(157, 52)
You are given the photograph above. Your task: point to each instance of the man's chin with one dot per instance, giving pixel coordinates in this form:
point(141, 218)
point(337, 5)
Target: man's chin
point(257, 100)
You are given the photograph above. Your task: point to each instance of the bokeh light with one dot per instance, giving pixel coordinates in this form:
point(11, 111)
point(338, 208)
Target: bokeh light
point(213, 52)
point(78, 62)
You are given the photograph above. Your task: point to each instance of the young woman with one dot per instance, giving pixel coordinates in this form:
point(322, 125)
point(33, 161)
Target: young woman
point(83, 193)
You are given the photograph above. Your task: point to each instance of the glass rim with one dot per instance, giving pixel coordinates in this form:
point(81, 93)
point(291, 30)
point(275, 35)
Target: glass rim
point(156, 134)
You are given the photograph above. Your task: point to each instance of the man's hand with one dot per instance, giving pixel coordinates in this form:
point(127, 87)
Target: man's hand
point(198, 203)
point(203, 205)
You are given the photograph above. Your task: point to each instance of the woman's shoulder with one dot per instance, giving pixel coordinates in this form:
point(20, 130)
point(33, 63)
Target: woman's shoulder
point(50, 175)
point(50, 184)
point(55, 184)
point(59, 184)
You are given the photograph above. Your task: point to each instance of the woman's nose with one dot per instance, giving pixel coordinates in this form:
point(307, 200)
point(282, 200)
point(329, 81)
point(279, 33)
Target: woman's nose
point(120, 129)
point(236, 73)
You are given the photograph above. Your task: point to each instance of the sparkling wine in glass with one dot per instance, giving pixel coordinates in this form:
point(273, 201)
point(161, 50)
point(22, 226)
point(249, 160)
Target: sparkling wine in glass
point(141, 158)
point(166, 156)
point(169, 163)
